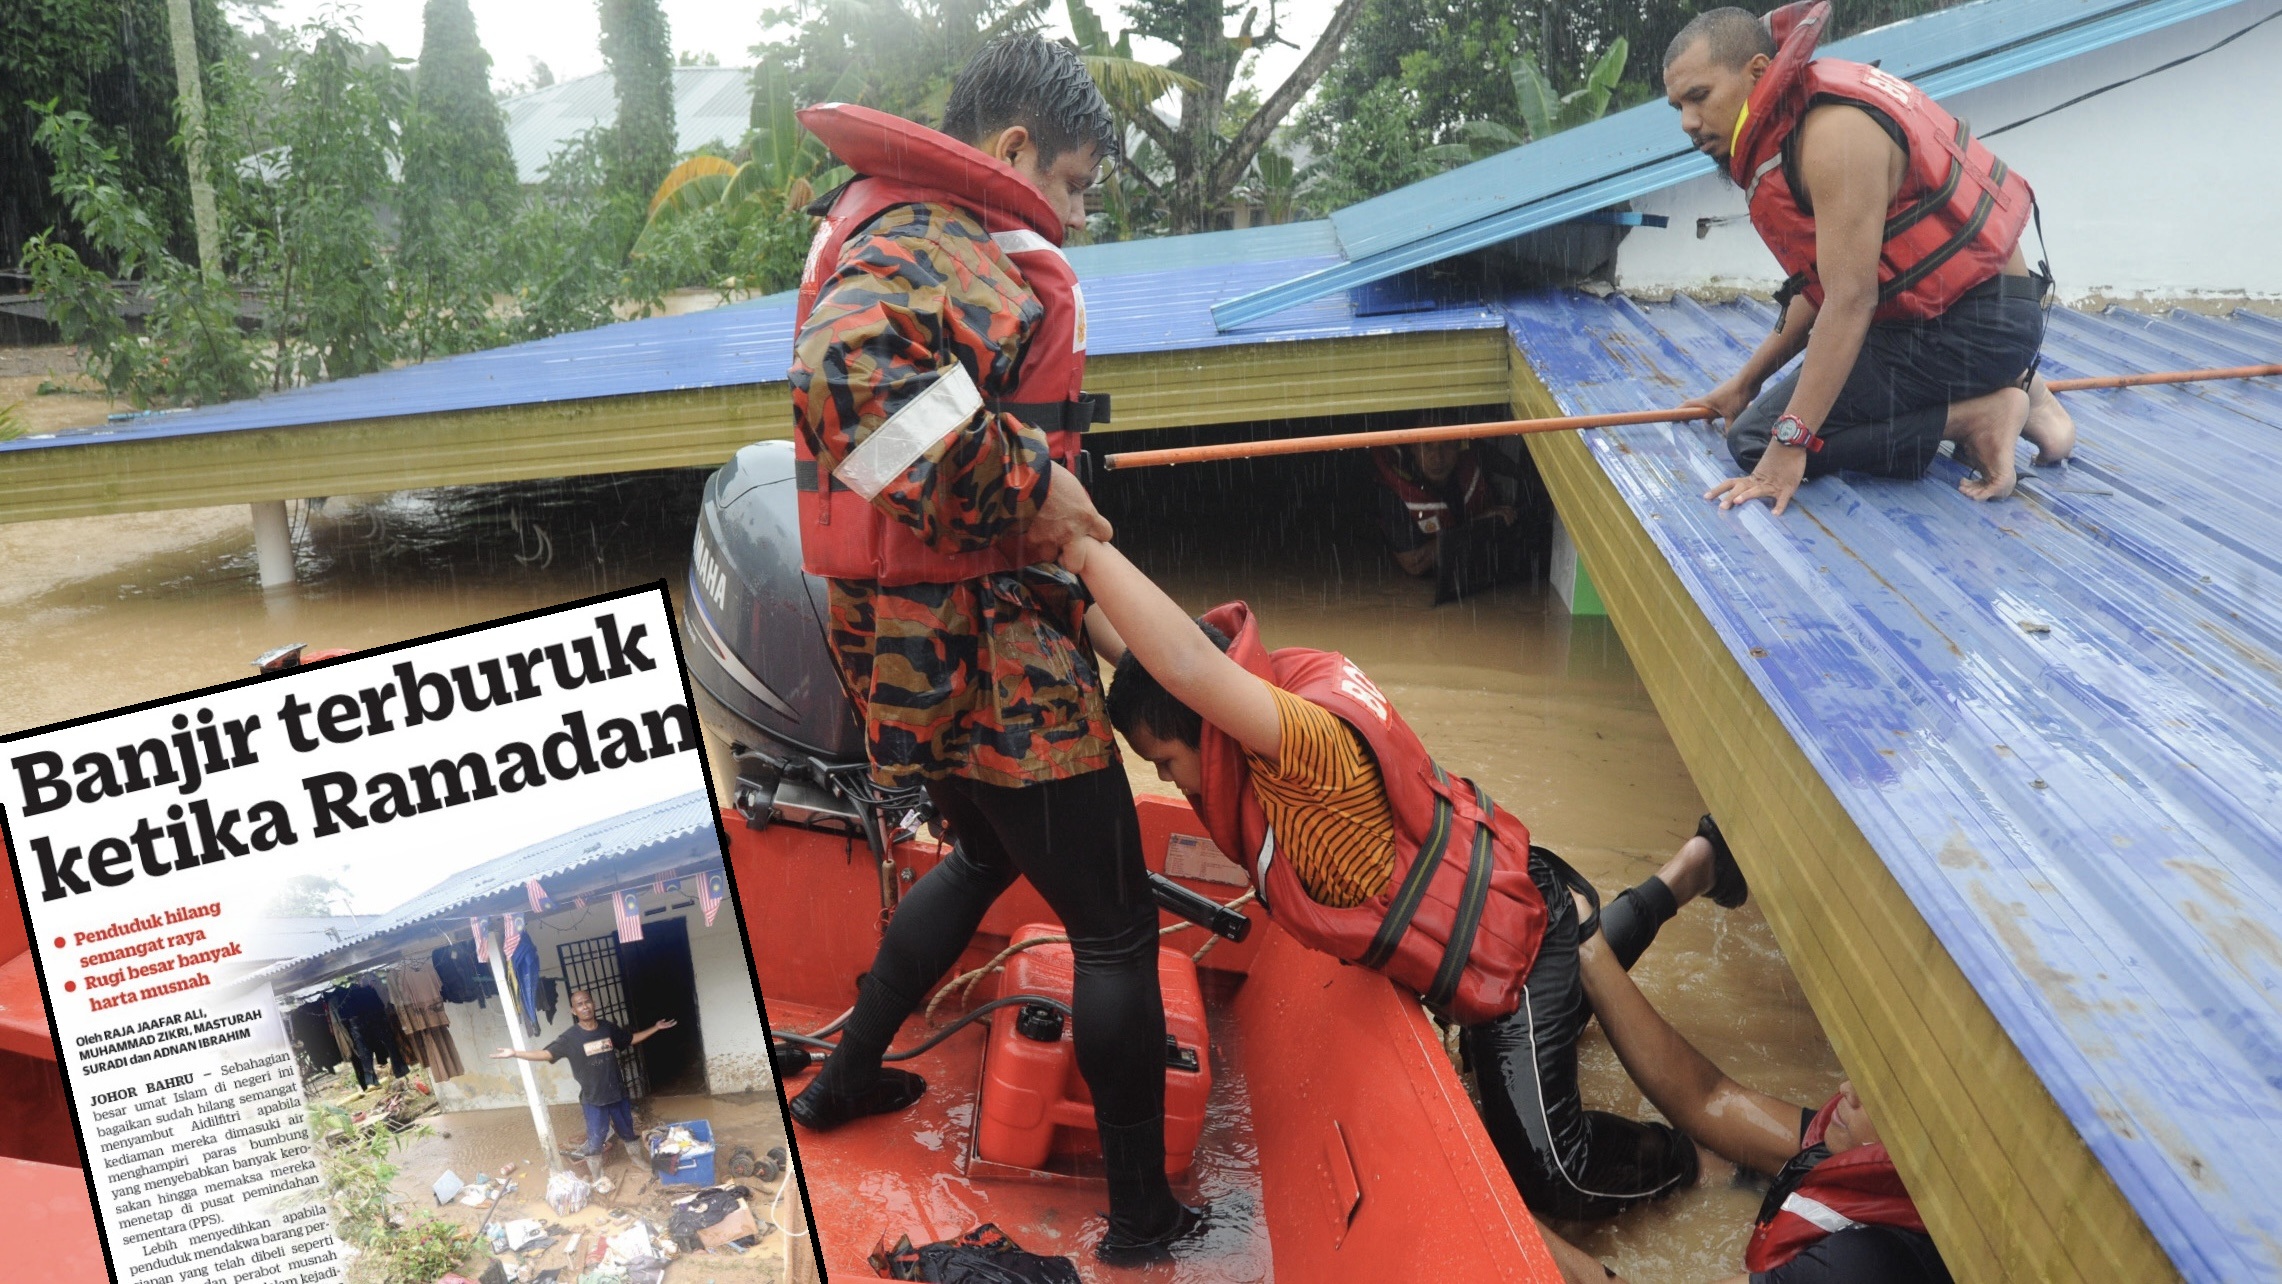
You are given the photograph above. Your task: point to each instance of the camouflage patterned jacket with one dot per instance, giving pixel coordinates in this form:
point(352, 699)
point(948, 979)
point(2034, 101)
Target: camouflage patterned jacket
point(988, 678)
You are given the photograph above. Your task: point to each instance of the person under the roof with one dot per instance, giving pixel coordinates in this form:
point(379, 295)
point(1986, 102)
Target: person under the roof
point(1837, 1212)
point(1361, 846)
point(1908, 290)
point(1461, 513)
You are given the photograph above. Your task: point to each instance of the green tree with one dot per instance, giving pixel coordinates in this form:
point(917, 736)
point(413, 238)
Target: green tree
point(639, 51)
point(459, 189)
point(111, 61)
point(1207, 159)
point(455, 140)
point(1543, 111)
point(896, 55)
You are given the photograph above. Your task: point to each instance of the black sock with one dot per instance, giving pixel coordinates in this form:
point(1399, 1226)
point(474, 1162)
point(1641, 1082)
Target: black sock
point(1630, 922)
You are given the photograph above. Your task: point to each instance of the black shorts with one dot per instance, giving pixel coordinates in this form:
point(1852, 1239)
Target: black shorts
point(1888, 419)
point(1567, 1161)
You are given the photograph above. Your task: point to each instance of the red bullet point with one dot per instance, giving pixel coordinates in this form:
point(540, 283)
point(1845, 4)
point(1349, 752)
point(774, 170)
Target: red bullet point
point(59, 942)
point(69, 986)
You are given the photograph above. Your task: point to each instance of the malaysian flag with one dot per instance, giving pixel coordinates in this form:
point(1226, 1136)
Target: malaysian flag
point(659, 887)
point(540, 901)
point(482, 942)
point(514, 933)
point(629, 907)
point(709, 896)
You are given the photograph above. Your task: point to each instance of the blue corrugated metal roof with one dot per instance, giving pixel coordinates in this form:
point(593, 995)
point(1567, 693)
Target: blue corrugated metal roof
point(1642, 150)
point(680, 829)
point(725, 347)
point(2080, 688)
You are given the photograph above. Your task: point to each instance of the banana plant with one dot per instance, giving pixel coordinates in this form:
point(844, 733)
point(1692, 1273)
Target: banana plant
point(1543, 111)
point(1130, 85)
point(788, 164)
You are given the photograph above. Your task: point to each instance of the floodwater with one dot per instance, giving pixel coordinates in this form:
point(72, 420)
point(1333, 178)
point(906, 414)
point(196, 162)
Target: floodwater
point(469, 1143)
point(1542, 709)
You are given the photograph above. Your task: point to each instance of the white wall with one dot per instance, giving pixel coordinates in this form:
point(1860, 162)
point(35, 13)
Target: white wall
point(735, 1041)
point(2167, 188)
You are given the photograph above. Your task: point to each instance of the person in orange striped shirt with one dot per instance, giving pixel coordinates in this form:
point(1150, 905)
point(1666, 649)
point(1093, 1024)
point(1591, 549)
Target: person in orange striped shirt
point(1332, 826)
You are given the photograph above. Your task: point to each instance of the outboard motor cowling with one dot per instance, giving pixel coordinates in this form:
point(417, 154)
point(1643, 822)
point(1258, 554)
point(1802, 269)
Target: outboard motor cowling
point(753, 629)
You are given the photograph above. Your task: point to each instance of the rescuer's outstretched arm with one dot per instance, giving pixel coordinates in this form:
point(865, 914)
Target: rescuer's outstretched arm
point(1747, 1127)
point(1176, 653)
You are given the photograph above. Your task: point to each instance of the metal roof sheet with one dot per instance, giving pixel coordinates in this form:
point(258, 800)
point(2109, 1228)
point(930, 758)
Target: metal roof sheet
point(711, 105)
point(1132, 313)
point(1642, 150)
point(680, 829)
point(2082, 685)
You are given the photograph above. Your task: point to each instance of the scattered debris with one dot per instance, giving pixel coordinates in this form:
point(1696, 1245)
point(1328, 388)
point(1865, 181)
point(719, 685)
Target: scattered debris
point(448, 1187)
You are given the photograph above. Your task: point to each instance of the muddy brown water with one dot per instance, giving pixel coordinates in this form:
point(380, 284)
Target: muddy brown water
point(1543, 709)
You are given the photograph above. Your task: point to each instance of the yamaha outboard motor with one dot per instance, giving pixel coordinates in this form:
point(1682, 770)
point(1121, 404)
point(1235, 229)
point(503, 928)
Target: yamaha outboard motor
point(753, 629)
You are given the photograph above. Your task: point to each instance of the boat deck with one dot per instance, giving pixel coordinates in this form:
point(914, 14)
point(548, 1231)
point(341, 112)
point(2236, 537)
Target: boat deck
point(917, 1174)
point(2007, 778)
point(1339, 1142)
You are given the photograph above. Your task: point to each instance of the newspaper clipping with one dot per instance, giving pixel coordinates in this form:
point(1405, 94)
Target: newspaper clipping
point(393, 965)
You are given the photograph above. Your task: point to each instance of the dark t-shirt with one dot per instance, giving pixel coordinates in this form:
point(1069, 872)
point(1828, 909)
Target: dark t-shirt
point(593, 1057)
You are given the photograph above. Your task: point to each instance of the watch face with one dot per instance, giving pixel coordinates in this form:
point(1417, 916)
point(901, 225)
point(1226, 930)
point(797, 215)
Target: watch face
point(1789, 431)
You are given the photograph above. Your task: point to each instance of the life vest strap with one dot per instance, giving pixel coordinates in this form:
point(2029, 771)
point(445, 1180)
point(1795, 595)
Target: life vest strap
point(1413, 889)
point(1470, 905)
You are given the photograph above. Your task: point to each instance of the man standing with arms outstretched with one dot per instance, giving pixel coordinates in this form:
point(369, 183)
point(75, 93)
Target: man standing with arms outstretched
point(1908, 291)
point(936, 383)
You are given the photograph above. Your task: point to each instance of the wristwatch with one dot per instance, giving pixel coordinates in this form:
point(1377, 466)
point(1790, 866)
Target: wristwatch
point(1790, 430)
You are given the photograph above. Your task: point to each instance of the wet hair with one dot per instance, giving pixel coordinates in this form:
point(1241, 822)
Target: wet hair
point(1042, 85)
point(1136, 699)
point(1736, 35)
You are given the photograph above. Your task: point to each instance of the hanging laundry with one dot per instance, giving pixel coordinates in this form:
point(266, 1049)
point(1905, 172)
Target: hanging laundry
point(461, 975)
point(523, 968)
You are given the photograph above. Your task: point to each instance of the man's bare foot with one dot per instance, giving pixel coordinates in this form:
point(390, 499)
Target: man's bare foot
point(2050, 428)
point(1986, 429)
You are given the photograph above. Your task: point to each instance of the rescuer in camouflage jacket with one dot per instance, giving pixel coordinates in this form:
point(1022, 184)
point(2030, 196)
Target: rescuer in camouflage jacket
point(984, 689)
point(986, 678)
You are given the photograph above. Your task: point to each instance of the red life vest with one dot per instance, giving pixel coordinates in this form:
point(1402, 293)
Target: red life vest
point(1955, 220)
point(1428, 509)
point(1857, 1187)
point(1460, 919)
point(901, 162)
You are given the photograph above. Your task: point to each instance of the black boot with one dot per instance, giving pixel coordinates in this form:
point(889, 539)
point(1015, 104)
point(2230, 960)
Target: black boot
point(1728, 890)
point(1145, 1221)
point(852, 1083)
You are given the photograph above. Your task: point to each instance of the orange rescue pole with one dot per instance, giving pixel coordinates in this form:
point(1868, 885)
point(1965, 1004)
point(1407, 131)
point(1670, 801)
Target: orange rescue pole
point(1569, 423)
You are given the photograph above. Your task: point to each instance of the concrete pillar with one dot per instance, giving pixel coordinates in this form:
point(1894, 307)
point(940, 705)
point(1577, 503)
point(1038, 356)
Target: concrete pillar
point(509, 1009)
point(273, 543)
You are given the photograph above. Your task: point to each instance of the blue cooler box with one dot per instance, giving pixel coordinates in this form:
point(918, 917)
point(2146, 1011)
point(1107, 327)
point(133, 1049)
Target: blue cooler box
point(693, 1170)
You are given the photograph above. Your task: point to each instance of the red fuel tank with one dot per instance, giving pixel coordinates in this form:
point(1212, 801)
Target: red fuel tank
point(1031, 1086)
